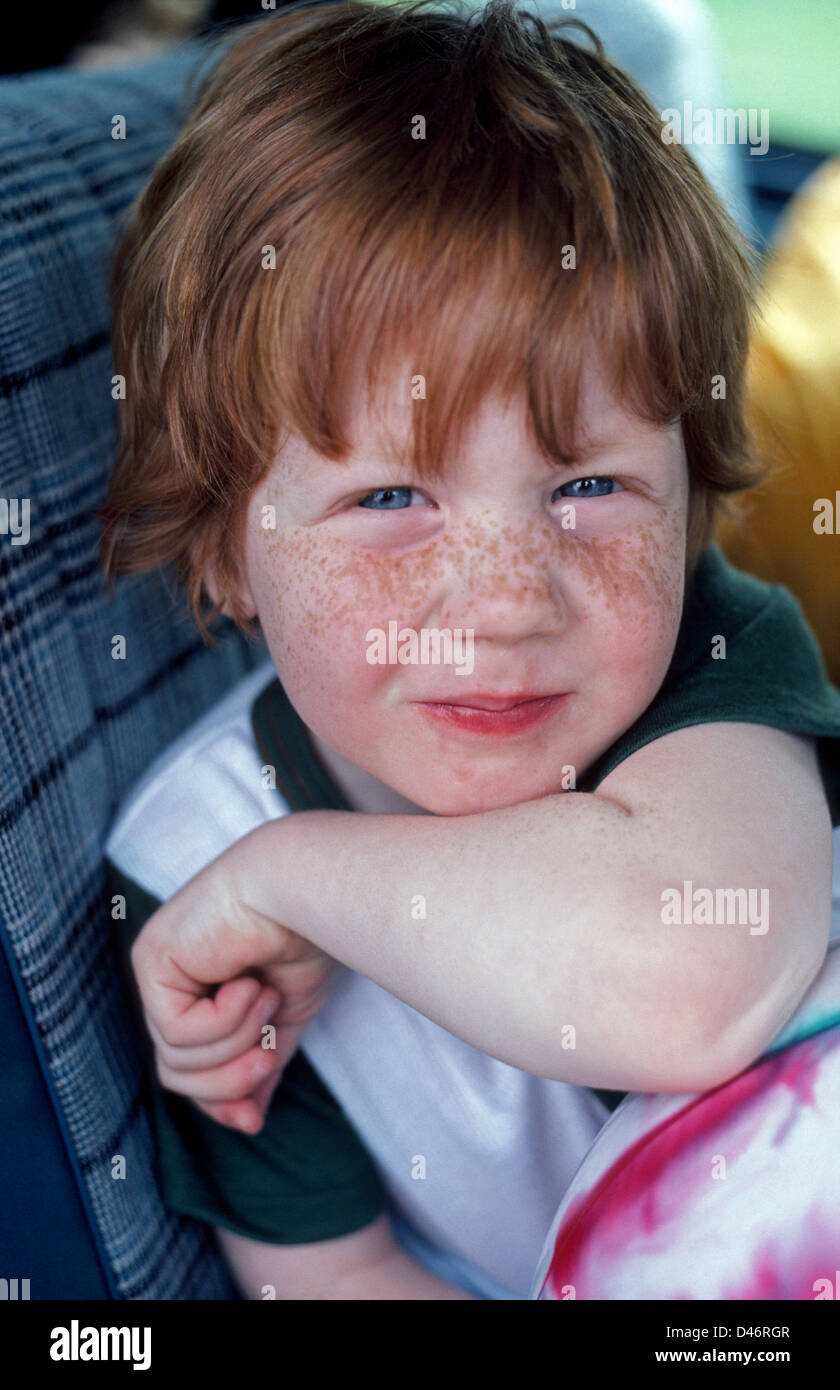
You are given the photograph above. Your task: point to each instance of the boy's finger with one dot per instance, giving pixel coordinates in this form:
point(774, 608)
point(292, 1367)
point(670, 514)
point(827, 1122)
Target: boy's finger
point(249, 1115)
point(244, 1115)
point(236, 1080)
point(262, 1095)
point(212, 1054)
point(186, 1017)
point(300, 979)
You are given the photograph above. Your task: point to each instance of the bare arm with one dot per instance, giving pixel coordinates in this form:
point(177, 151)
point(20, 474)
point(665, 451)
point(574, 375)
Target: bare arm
point(548, 914)
point(365, 1265)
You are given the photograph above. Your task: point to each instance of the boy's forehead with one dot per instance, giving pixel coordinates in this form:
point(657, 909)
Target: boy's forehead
point(379, 426)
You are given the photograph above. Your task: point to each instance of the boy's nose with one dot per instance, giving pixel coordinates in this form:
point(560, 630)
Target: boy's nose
point(505, 591)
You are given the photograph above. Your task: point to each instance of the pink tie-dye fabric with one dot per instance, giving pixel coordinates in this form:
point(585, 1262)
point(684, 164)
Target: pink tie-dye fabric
point(732, 1194)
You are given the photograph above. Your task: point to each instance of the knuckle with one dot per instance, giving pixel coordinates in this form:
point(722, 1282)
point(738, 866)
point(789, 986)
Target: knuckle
point(300, 1011)
point(167, 1056)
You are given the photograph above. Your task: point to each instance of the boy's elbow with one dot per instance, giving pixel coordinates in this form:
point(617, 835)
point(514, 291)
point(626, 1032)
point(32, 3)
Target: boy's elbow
point(759, 1012)
point(640, 1054)
point(714, 1051)
point(702, 1048)
point(686, 1054)
point(712, 1061)
point(698, 1062)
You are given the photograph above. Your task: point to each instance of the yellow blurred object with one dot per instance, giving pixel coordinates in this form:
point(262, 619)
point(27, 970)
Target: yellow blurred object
point(794, 391)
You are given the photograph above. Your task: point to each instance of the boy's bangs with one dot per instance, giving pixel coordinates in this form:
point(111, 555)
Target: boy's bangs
point(437, 320)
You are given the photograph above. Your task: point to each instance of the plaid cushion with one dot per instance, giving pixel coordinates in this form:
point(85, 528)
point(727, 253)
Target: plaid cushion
point(77, 727)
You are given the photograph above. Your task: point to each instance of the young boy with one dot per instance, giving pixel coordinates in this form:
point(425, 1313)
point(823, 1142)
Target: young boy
point(424, 325)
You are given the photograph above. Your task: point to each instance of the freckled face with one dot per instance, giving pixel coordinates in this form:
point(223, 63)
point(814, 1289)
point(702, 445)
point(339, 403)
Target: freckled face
point(589, 612)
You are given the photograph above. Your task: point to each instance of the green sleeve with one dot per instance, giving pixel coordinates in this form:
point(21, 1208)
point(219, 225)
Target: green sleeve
point(305, 1177)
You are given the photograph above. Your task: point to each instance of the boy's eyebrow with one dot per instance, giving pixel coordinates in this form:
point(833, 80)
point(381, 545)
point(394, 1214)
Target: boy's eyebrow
point(614, 440)
point(387, 457)
point(570, 463)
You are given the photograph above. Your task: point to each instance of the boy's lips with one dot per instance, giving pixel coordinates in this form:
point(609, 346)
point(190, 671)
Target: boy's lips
point(482, 700)
point(493, 714)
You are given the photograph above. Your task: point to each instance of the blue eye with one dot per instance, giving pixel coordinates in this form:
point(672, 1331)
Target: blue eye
point(577, 482)
point(392, 498)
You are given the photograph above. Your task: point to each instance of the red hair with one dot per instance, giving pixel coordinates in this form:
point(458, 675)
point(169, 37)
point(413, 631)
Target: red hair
point(444, 252)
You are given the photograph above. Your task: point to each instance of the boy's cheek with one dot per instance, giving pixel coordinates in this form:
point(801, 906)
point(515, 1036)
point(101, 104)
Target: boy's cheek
point(635, 584)
point(319, 645)
point(315, 609)
point(325, 582)
point(654, 576)
point(631, 605)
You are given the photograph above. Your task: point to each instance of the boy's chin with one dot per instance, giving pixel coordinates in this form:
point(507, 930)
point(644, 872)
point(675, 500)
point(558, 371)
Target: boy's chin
point(466, 801)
